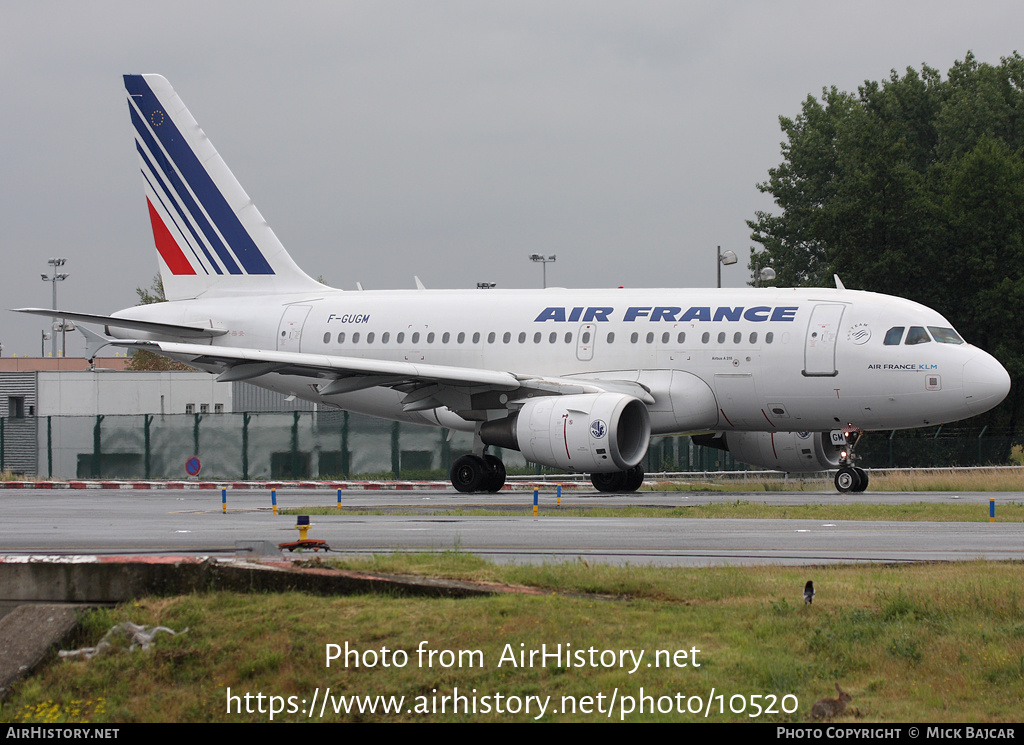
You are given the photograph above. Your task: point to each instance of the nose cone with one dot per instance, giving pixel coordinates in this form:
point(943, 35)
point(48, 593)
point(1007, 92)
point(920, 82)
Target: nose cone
point(986, 383)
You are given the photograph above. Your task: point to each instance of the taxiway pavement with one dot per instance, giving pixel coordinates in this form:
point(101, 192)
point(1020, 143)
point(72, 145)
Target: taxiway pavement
point(159, 521)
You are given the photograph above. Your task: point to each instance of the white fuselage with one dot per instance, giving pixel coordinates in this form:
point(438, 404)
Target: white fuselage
point(774, 359)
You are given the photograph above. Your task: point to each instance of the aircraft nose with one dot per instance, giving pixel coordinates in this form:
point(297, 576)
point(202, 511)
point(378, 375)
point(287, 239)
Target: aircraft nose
point(986, 383)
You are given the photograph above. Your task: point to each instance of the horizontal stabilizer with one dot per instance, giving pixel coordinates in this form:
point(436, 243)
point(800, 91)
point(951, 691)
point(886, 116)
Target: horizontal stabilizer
point(167, 329)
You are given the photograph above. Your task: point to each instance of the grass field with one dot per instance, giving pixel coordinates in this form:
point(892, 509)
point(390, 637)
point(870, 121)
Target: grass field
point(913, 643)
point(1006, 512)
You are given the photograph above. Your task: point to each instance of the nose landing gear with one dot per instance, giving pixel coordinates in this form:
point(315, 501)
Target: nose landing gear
point(850, 478)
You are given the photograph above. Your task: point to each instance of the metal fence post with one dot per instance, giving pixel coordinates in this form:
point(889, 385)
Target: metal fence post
point(344, 445)
point(97, 450)
point(195, 434)
point(396, 454)
point(245, 446)
point(146, 422)
point(295, 444)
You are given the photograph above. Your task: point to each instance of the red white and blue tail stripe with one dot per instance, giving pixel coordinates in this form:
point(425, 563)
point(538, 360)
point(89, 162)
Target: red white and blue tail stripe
point(209, 235)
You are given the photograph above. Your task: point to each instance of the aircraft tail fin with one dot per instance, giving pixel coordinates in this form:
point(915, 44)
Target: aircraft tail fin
point(210, 238)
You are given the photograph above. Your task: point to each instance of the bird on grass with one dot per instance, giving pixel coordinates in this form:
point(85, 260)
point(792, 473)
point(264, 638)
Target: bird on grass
point(809, 592)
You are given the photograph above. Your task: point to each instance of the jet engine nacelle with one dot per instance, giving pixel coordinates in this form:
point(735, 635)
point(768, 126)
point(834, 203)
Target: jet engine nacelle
point(586, 433)
point(793, 452)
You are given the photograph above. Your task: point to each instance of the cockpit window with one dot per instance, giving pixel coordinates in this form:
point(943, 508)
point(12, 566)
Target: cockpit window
point(893, 335)
point(945, 336)
point(917, 335)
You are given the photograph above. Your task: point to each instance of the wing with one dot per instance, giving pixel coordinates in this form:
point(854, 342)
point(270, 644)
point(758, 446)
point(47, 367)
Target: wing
point(470, 392)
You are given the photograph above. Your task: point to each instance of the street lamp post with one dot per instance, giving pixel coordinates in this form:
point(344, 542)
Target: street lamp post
point(728, 258)
point(53, 279)
point(543, 261)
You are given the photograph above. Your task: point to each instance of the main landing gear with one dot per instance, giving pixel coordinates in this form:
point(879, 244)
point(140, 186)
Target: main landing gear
point(619, 481)
point(479, 473)
point(850, 478)
point(474, 473)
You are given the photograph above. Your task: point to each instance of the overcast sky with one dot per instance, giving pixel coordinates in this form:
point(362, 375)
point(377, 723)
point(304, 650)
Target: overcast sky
point(447, 140)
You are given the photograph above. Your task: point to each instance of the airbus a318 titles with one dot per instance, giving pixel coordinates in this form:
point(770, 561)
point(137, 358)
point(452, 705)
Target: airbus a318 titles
point(574, 379)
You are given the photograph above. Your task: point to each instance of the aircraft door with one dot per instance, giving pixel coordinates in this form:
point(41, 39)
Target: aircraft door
point(289, 332)
point(820, 344)
point(585, 342)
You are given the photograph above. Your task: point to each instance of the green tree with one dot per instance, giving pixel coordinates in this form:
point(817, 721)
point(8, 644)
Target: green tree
point(155, 293)
point(913, 186)
point(145, 361)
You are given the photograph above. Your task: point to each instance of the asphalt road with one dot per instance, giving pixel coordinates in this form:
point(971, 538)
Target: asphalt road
point(192, 522)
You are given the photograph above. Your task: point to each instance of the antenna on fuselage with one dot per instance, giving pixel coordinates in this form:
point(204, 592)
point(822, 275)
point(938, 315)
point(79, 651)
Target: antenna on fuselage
point(839, 282)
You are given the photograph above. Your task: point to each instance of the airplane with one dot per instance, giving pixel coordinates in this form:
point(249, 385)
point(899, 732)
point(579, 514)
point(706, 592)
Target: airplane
point(579, 380)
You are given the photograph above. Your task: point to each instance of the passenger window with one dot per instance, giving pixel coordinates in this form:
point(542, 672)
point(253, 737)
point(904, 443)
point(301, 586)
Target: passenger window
point(341, 337)
point(430, 338)
point(522, 337)
point(664, 338)
point(705, 338)
point(369, 338)
point(490, 338)
point(327, 337)
point(446, 337)
point(634, 337)
point(650, 337)
point(415, 337)
point(917, 335)
point(586, 337)
point(611, 336)
point(400, 338)
point(506, 338)
point(536, 338)
point(461, 338)
point(476, 337)
point(568, 338)
point(753, 337)
point(893, 335)
point(553, 337)
point(355, 338)
point(769, 337)
point(737, 337)
point(681, 338)
point(721, 337)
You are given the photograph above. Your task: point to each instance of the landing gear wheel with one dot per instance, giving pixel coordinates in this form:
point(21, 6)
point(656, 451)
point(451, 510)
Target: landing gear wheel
point(847, 479)
point(863, 479)
point(608, 482)
point(469, 474)
point(634, 478)
point(496, 474)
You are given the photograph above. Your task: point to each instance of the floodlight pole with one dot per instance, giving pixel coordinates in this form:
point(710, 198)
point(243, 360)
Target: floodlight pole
point(543, 261)
point(728, 258)
point(53, 280)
